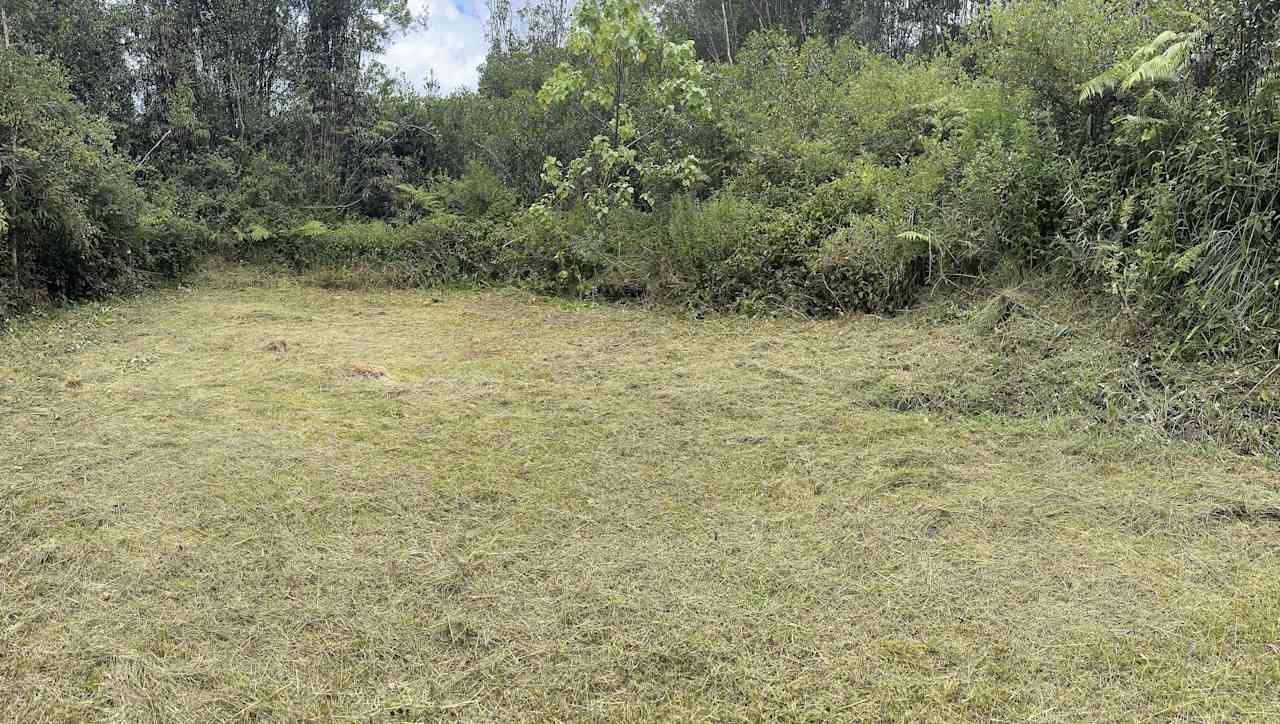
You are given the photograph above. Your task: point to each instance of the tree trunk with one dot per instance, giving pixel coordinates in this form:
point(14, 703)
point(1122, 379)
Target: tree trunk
point(728, 45)
point(13, 245)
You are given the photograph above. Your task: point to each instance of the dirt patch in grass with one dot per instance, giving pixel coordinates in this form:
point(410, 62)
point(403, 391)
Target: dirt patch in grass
point(619, 515)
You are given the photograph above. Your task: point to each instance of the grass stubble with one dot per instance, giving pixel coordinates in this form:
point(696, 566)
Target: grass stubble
point(262, 500)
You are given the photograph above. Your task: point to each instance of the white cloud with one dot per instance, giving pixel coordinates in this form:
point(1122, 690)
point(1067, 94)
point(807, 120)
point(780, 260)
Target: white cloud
point(452, 46)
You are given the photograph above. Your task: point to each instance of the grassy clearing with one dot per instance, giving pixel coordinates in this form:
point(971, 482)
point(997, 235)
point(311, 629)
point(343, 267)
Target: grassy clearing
point(262, 500)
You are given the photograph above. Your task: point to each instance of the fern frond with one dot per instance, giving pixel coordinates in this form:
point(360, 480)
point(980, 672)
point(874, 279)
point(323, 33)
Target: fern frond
point(420, 199)
point(1105, 83)
point(1155, 47)
point(1166, 67)
point(257, 232)
point(1163, 60)
point(312, 229)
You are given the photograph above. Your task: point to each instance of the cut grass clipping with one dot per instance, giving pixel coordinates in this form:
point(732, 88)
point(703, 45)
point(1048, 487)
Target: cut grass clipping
point(561, 512)
point(367, 371)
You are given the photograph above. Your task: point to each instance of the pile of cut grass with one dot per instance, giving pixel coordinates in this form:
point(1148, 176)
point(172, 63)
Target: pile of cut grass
point(544, 511)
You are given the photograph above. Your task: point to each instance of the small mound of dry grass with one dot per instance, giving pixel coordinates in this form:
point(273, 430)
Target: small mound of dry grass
point(367, 371)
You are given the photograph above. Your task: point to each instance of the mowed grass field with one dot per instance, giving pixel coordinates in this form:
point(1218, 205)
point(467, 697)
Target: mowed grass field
point(483, 505)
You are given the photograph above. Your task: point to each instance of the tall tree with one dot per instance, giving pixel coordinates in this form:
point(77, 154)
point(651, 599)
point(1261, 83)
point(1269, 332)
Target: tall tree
point(88, 38)
point(337, 36)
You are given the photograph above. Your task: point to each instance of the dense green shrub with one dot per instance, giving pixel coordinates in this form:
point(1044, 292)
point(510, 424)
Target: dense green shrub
point(1003, 201)
point(504, 127)
point(887, 109)
point(172, 243)
point(1174, 211)
point(397, 140)
point(848, 249)
point(1051, 47)
point(731, 252)
point(785, 174)
point(869, 265)
point(477, 194)
point(439, 249)
point(882, 150)
point(1189, 238)
point(553, 250)
point(779, 95)
point(455, 248)
point(75, 222)
point(833, 203)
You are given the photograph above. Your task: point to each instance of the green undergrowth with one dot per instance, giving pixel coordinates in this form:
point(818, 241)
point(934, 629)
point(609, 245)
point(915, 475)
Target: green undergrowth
point(1037, 350)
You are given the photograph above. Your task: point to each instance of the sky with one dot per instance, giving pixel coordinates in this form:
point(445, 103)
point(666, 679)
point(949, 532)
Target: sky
point(451, 47)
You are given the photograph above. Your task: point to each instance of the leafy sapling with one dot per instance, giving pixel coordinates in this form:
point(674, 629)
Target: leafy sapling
point(622, 64)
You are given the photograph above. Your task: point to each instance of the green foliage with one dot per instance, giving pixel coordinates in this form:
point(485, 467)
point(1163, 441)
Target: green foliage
point(1002, 193)
point(72, 211)
point(1005, 201)
point(834, 203)
point(235, 188)
point(888, 110)
point(477, 194)
point(1051, 47)
point(729, 252)
point(399, 139)
point(439, 249)
point(1173, 213)
point(1187, 236)
point(1164, 60)
point(870, 265)
point(620, 62)
point(551, 250)
point(723, 31)
point(786, 173)
point(839, 252)
point(778, 95)
point(89, 40)
point(173, 243)
point(906, 163)
point(1248, 34)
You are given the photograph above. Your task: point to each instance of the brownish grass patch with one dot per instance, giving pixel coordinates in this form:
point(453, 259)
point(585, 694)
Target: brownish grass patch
point(367, 371)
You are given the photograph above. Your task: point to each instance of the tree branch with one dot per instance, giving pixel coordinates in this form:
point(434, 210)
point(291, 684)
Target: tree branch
point(147, 155)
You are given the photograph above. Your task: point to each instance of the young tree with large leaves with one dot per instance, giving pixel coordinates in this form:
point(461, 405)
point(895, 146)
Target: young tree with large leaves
point(636, 86)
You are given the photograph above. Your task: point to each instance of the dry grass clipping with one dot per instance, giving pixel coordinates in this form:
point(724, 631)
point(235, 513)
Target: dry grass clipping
point(619, 516)
point(367, 371)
